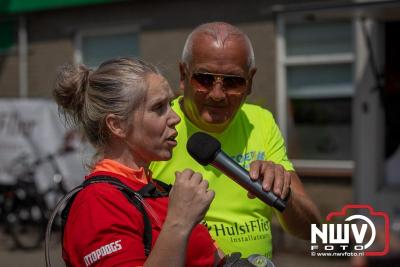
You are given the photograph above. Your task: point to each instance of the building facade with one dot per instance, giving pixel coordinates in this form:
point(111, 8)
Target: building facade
point(327, 70)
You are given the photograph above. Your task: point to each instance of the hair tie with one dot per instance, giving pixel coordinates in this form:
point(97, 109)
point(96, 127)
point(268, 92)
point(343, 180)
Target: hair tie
point(86, 80)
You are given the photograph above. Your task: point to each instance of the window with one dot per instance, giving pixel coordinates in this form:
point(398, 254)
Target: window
point(8, 29)
point(95, 46)
point(315, 89)
point(391, 101)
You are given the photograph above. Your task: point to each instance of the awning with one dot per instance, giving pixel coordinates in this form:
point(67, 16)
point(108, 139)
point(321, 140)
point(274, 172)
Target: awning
point(21, 6)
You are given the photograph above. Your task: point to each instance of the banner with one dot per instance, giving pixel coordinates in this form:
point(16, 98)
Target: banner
point(31, 130)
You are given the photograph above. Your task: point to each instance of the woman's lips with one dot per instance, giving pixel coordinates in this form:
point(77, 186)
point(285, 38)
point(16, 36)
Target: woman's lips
point(172, 139)
point(172, 142)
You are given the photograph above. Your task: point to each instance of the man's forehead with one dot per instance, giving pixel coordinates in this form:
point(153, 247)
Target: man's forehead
point(204, 41)
point(210, 55)
point(230, 69)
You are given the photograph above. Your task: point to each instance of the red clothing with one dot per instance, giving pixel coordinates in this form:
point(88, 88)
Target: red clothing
point(104, 229)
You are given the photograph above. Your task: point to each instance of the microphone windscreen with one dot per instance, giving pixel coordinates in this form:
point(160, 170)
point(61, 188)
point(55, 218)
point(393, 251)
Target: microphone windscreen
point(203, 147)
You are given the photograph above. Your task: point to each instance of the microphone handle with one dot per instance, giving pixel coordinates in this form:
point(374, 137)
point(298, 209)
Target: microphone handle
point(241, 176)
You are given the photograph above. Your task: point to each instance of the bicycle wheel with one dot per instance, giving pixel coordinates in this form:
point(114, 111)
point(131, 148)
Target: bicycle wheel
point(26, 223)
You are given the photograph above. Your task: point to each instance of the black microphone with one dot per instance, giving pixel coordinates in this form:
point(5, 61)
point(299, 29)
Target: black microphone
point(205, 149)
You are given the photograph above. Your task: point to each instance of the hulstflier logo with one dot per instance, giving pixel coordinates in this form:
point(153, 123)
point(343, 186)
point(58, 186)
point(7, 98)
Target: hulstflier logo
point(347, 233)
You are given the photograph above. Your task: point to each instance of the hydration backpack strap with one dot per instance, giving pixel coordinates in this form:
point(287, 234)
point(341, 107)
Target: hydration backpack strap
point(133, 197)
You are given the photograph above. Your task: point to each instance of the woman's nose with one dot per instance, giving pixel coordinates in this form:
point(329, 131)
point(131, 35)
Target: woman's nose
point(174, 118)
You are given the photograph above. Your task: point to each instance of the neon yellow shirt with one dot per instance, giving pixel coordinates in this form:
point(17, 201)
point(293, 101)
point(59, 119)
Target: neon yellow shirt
point(237, 223)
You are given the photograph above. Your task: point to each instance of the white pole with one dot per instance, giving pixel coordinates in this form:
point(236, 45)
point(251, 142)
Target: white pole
point(281, 94)
point(23, 57)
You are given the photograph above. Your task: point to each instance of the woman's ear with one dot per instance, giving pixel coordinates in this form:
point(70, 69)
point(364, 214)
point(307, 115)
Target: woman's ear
point(116, 125)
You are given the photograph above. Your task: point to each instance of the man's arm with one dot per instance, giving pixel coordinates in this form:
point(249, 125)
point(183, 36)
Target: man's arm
point(300, 211)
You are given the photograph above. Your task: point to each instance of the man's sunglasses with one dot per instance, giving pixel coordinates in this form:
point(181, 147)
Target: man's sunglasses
point(206, 81)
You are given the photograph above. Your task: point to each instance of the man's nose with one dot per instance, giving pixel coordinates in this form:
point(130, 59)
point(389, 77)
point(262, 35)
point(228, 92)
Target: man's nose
point(217, 92)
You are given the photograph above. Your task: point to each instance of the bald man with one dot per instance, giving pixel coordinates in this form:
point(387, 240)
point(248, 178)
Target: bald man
point(216, 74)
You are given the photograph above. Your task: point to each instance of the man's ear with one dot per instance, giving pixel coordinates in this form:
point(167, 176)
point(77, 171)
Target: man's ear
point(116, 125)
point(182, 76)
point(252, 72)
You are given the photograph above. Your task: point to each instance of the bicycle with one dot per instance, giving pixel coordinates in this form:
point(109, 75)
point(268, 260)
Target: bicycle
point(24, 210)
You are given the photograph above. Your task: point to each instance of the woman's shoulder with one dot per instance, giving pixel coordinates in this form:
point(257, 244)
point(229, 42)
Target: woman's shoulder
point(101, 199)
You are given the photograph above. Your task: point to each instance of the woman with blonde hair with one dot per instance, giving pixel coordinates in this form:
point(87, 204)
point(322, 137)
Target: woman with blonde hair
point(124, 110)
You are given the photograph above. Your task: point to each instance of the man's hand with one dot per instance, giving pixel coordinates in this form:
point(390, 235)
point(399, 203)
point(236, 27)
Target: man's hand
point(274, 177)
point(300, 211)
